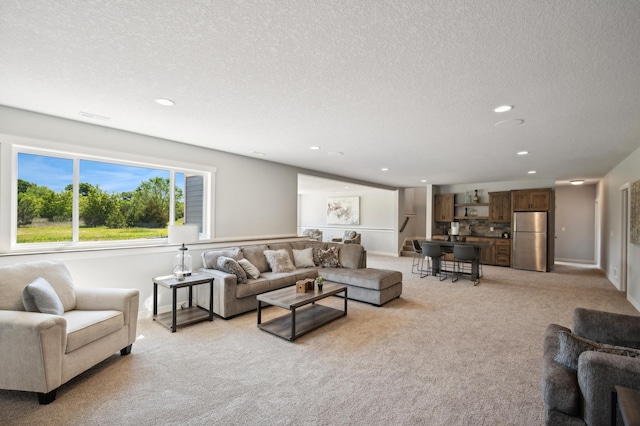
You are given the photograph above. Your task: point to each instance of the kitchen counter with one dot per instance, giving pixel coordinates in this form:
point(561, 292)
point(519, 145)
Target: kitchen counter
point(498, 237)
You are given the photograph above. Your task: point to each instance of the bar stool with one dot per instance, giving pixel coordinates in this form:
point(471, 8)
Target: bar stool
point(435, 254)
point(465, 256)
point(418, 258)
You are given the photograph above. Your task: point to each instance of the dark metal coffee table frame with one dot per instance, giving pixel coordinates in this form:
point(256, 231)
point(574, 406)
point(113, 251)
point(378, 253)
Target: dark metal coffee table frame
point(305, 315)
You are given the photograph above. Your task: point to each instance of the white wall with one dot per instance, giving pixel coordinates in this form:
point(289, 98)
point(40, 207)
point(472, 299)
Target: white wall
point(608, 194)
point(575, 223)
point(253, 199)
point(378, 218)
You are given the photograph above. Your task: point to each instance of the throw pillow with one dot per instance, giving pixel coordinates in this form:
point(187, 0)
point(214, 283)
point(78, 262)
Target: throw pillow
point(571, 346)
point(329, 258)
point(249, 268)
point(39, 296)
point(231, 266)
point(279, 260)
point(303, 258)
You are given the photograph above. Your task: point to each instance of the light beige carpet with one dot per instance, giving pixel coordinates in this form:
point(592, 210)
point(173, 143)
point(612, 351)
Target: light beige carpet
point(443, 354)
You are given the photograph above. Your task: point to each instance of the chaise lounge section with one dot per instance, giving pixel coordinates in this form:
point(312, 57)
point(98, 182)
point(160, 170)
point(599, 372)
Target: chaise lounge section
point(231, 297)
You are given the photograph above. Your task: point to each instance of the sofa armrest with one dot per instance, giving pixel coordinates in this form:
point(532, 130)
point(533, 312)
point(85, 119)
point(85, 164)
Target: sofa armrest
point(598, 374)
point(33, 345)
point(607, 327)
point(124, 300)
point(224, 293)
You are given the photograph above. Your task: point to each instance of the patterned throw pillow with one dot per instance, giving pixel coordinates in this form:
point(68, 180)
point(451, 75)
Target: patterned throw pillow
point(230, 266)
point(329, 257)
point(279, 260)
point(571, 346)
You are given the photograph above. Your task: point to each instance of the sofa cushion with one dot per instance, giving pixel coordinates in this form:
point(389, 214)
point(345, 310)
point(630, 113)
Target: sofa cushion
point(303, 258)
point(230, 266)
point(571, 346)
point(252, 288)
point(39, 296)
point(210, 257)
point(329, 258)
point(280, 279)
point(369, 278)
point(255, 255)
point(351, 255)
point(249, 268)
point(14, 278)
point(607, 327)
point(279, 260)
point(84, 327)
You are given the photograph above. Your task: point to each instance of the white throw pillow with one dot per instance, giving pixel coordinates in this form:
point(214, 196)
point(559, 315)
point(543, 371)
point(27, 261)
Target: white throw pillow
point(249, 268)
point(303, 258)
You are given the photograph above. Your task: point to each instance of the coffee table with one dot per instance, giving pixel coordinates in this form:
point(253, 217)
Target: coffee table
point(305, 315)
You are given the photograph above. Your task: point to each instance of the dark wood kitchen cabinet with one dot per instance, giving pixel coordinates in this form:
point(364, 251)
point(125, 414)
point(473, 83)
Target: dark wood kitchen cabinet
point(487, 254)
point(503, 252)
point(443, 207)
point(531, 200)
point(500, 206)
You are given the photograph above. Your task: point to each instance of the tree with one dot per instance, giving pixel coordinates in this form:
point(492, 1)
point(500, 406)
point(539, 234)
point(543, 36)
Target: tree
point(150, 203)
point(28, 206)
point(96, 207)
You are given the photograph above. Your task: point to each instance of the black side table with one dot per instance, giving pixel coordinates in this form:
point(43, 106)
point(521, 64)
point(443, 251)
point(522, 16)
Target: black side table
point(184, 316)
point(628, 400)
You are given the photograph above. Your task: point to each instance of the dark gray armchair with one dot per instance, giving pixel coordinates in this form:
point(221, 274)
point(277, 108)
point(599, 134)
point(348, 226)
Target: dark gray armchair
point(583, 395)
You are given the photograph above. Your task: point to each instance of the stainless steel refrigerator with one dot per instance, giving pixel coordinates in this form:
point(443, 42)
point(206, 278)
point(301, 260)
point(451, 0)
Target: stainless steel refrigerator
point(529, 241)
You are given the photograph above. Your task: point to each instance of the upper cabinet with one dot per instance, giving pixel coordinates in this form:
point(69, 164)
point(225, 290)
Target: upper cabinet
point(500, 206)
point(526, 200)
point(443, 207)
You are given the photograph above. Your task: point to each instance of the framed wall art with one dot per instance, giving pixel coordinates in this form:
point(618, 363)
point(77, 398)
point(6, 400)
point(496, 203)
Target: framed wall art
point(343, 211)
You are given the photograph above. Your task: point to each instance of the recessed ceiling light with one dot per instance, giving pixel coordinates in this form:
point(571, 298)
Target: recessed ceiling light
point(503, 108)
point(532, 172)
point(165, 102)
point(335, 153)
point(523, 152)
point(346, 187)
point(260, 154)
point(385, 169)
point(510, 123)
point(315, 148)
point(423, 181)
point(577, 182)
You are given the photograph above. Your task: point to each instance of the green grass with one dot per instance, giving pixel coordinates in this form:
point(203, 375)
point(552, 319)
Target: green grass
point(54, 233)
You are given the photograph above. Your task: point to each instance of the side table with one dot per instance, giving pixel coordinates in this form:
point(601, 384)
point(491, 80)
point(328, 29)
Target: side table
point(184, 316)
point(628, 400)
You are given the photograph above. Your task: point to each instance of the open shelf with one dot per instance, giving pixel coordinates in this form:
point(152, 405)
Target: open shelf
point(471, 217)
point(472, 205)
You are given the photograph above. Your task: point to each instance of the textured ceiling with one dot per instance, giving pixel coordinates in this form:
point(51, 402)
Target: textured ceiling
point(408, 85)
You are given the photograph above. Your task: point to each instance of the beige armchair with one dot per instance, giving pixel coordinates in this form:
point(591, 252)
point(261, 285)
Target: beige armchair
point(81, 326)
point(313, 234)
point(349, 237)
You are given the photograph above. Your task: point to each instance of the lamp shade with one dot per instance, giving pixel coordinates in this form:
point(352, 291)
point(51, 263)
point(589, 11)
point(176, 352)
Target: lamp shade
point(180, 234)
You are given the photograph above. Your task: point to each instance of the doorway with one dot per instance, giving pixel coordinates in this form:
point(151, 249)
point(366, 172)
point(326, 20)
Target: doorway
point(624, 235)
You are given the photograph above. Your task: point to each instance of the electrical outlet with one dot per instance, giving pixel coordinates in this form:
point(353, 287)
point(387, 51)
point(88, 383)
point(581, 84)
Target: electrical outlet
point(491, 228)
point(615, 272)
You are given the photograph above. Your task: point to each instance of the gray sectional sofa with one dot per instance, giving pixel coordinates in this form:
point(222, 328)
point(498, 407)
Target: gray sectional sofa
point(230, 298)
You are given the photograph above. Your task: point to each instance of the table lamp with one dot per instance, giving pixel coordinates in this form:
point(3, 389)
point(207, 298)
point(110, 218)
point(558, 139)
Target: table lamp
point(181, 234)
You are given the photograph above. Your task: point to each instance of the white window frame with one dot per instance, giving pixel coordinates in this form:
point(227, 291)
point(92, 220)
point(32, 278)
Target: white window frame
point(11, 146)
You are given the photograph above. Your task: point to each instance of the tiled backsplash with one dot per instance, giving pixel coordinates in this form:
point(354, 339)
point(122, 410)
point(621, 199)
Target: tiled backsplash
point(479, 227)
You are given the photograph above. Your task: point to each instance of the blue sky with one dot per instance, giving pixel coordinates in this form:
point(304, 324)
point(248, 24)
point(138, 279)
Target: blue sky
point(57, 173)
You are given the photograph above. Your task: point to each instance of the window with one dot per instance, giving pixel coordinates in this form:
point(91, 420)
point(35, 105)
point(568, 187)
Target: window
point(66, 198)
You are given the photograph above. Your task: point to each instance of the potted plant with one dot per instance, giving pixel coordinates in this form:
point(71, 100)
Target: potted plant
point(320, 282)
